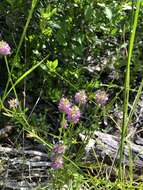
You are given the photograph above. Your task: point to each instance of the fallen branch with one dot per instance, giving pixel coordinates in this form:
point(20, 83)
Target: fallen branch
point(105, 147)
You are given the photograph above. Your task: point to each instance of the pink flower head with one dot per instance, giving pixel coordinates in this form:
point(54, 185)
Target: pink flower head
point(4, 48)
point(59, 149)
point(74, 114)
point(101, 97)
point(57, 162)
point(80, 97)
point(64, 105)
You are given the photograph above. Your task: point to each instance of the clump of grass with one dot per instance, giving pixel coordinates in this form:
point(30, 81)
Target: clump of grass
point(127, 91)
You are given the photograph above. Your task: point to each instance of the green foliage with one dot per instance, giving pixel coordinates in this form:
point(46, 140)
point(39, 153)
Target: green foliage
point(60, 47)
point(78, 34)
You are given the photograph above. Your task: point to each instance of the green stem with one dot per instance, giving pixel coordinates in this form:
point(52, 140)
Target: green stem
point(26, 26)
point(25, 75)
point(21, 40)
point(9, 77)
point(126, 92)
point(135, 102)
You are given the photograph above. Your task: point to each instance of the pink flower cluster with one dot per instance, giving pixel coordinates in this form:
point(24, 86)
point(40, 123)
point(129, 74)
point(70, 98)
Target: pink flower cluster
point(57, 157)
point(101, 97)
point(4, 48)
point(59, 148)
point(81, 97)
point(64, 105)
point(72, 112)
point(57, 162)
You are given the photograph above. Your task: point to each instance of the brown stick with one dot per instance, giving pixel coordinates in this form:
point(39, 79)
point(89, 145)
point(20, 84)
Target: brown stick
point(106, 148)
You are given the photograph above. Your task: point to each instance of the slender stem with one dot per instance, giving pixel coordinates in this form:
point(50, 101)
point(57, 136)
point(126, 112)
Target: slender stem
point(21, 40)
point(24, 75)
point(135, 101)
point(26, 26)
point(9, 77)
point(127, 90)
point(27, 127)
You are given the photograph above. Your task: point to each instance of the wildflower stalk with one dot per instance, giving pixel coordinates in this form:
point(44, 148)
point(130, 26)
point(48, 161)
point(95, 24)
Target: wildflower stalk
point(25, 75)
point(26, 26)
point(26, 126)
point(21, 41)
point(61, 129)
point(126, 93)
point(8, 112)
point(9, 76)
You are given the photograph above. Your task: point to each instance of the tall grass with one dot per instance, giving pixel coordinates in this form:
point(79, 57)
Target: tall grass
point(127, 91)
point(33, 5)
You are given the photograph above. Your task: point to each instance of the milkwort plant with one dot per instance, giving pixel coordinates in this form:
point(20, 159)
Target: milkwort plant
point(71, 52)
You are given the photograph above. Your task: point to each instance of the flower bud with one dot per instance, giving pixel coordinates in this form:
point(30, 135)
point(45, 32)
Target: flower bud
point(4, 48)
